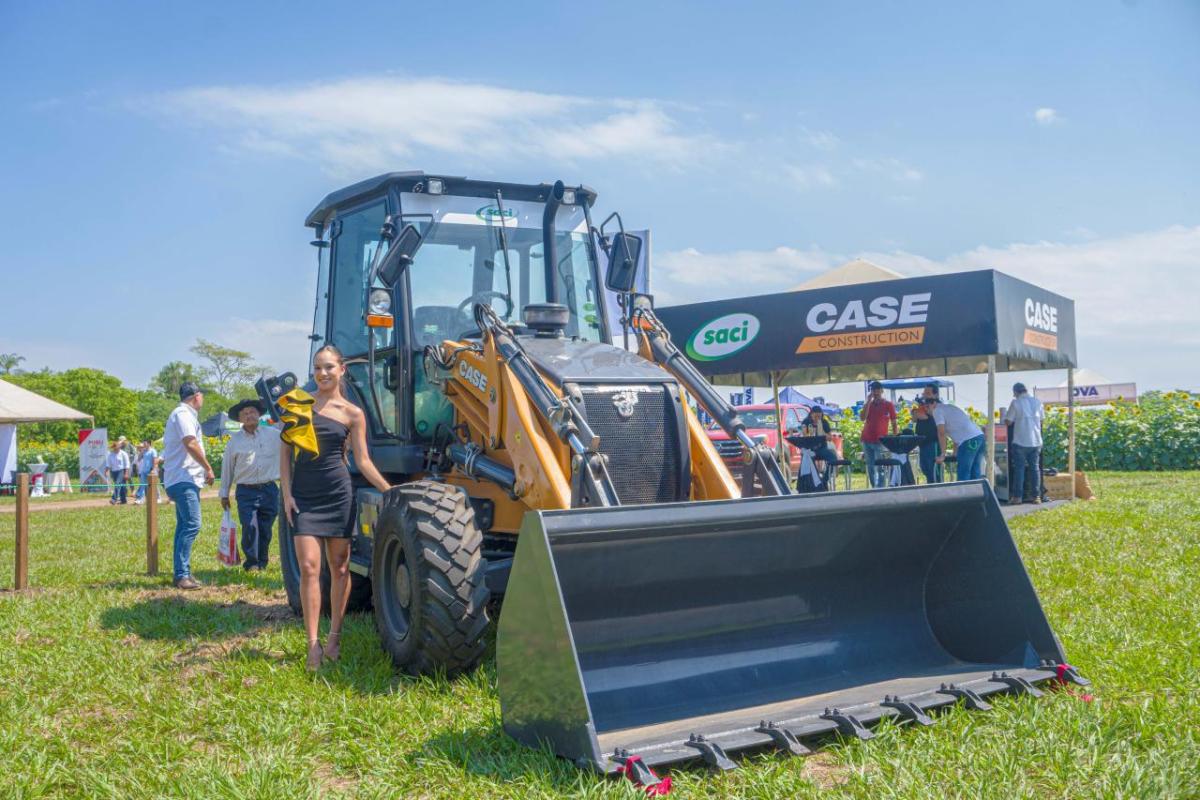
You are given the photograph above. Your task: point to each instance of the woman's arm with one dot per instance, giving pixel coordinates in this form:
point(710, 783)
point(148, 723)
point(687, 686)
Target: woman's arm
point(362, 458)
point(285, 481)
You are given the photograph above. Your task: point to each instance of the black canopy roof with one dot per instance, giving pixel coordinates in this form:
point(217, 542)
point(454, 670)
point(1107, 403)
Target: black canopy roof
point(913, 327)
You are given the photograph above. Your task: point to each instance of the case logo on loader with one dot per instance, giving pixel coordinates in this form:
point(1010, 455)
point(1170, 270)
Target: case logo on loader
point(624, 403)
point(472, 376)
point(722, 337)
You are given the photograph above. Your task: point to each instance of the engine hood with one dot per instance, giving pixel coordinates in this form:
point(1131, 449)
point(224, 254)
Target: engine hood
point(576, 361)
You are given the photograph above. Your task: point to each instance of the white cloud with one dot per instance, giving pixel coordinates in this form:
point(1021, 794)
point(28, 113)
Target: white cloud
point(809, 175)
point(371, 123)
point(1046, 116)
point(1135, 296)
point(893, 168)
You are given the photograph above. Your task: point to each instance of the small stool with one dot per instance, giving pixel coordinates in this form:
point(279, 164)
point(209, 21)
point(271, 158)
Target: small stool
point(951, 459)
point(834, 465)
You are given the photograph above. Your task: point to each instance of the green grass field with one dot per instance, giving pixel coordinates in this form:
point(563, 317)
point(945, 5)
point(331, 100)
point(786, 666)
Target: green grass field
point(114, 685)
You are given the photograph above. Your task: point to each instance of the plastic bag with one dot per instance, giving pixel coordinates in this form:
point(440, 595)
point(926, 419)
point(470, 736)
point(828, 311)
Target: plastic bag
point(227, 547)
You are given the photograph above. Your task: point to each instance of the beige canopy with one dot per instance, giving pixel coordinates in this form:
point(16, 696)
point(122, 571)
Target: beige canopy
point(21, 405)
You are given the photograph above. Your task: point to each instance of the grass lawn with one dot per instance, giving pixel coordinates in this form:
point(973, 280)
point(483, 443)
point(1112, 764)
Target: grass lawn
point(113, 685)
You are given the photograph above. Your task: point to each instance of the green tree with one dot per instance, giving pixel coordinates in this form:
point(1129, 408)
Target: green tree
point(9, 363)
point(153, 408)
point(227, 368)
point(172, 376)
point(91, 391)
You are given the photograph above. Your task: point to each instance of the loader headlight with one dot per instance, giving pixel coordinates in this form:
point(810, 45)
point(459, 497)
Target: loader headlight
point(568, 197)
point(379, 302)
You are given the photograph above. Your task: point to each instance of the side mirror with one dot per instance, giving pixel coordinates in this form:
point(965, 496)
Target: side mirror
point(399, 255)
point(622, 262)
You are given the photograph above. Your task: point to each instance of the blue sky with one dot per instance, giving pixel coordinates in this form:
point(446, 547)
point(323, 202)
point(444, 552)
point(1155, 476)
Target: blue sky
point(157, 160)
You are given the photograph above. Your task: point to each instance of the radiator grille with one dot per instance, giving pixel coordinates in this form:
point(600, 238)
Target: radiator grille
point(643, 450)
point(729, 449)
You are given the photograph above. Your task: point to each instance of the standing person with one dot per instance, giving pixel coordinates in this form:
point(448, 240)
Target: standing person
point(117, 463)
point(318, 499)
point(148, 462)
point(924, 425)
point(251, 463)
point(955, 423)
point(185, 470)
point(1025, 414)
point(876, 413)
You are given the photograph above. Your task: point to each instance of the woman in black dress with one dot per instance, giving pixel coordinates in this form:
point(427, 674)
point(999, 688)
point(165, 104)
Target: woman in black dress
point(318, 500)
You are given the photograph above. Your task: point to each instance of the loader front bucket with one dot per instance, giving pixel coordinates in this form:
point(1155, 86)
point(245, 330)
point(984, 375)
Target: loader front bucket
point(691, 630)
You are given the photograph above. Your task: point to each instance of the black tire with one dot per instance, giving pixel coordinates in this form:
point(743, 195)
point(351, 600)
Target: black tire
point(427, 578)
point(360, 586)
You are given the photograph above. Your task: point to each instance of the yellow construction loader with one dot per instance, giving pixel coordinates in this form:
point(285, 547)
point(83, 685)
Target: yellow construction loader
point(651, 614)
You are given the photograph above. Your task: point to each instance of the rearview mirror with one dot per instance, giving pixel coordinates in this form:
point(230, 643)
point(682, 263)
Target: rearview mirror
point(399, 255)
point(622, 262)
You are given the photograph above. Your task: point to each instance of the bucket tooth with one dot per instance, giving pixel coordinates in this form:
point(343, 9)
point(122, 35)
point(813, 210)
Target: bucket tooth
point(907, 710)
point(848, 724)
point(1016, 683)
point(1065, 673)
point(783, 738)
point(712, 753)
point(635, 769)
point(969, 697)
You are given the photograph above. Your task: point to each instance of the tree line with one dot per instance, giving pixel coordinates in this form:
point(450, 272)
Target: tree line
point(227, 375)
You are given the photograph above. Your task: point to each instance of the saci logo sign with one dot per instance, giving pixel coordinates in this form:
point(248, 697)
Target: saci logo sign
point(722, 337)
point(494, 214)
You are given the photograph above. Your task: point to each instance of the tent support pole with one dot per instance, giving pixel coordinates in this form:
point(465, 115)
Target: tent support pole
point(991, 421)
point(779, 445)
point(1071, 427)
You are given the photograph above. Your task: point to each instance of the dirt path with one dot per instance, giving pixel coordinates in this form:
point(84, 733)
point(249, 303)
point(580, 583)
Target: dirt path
point(61, 505)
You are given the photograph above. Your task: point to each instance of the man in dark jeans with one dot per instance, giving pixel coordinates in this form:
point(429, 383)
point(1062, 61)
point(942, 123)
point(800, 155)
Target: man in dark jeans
point(251, 463)
point(1025, 414)
point(924, 425)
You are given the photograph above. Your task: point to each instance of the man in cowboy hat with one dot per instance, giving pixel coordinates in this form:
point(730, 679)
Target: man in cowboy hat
point(251, 463)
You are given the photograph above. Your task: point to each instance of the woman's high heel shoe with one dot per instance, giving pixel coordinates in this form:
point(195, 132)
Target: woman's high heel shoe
point(313, 663)
point(333, 646)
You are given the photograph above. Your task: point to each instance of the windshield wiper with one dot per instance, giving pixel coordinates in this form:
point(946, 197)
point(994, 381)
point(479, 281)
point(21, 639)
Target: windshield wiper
point(504, 250)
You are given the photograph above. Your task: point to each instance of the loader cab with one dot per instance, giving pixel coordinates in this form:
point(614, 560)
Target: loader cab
point(467, 229)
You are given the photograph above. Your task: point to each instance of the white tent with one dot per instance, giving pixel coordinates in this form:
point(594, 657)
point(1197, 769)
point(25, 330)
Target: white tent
point(849, 274)
point(19, 405)
point(1090, 388)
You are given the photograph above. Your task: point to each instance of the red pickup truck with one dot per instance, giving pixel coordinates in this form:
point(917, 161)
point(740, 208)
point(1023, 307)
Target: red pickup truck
point(761, 422)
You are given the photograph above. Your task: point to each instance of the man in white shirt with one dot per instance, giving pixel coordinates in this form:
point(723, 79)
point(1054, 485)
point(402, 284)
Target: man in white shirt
point(117, 464)
point(1025, 414)
point(251, 463)
point(185, 470)
point(954, 423)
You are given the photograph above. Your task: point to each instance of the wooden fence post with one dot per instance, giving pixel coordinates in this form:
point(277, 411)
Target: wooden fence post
point(21, 570)
point(152, 524)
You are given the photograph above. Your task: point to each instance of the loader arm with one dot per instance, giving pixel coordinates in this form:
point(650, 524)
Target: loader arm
point(656, 346)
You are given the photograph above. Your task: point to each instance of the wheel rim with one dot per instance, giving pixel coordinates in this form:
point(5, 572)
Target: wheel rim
point(397, 592)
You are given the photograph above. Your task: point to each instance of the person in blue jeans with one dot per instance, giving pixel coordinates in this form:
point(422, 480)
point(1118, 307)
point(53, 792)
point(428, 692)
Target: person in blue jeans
point(876, 415)
point(954, 423)
point(250, 466)
point(117, 463)
point(147, 463)
point(185, 470)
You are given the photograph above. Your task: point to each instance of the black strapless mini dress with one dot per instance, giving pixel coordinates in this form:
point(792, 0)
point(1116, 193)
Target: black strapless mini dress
point(321, 484)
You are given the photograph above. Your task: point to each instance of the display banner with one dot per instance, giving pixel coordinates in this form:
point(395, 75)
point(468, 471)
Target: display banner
point(964, 315)
point(1088, 394)
point(93, 450)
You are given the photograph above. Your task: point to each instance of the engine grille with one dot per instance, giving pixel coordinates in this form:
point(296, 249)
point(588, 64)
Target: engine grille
point(728, 449)
point(643, 449)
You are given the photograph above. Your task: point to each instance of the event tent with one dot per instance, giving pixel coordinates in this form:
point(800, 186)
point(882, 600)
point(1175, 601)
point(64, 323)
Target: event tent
point(18, 405)
point(979, 322)
point(1090, 389)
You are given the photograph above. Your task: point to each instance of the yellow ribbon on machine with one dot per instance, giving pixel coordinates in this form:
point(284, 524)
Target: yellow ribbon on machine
point(296, 411)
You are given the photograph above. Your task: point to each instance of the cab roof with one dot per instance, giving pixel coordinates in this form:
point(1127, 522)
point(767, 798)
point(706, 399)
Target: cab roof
point(454, 185)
